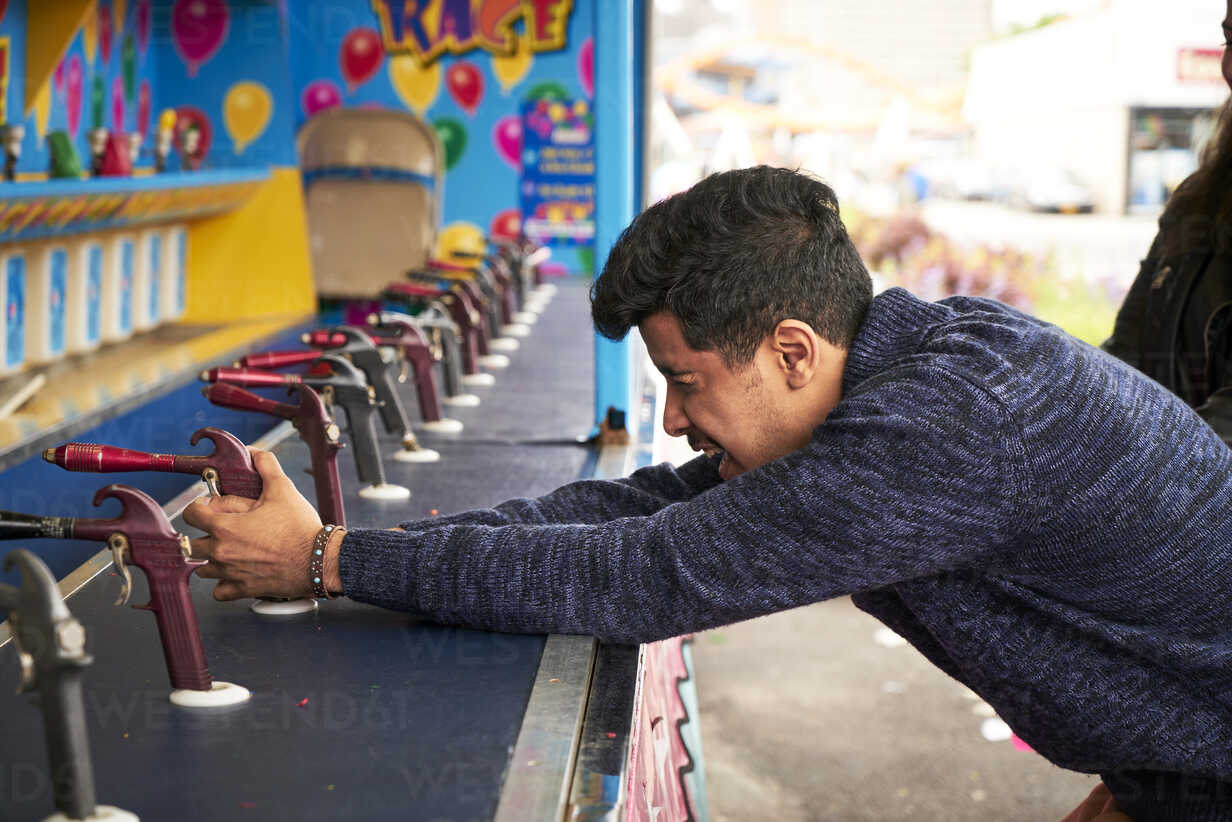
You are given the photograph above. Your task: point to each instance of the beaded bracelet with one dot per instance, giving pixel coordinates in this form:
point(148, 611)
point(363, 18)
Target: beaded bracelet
point(316, 565)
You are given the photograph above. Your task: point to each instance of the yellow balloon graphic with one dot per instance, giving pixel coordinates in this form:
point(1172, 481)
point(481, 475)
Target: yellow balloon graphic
point(460, 236)
point(117, 12)
point(89, 33)
point(246, 112)
point(42, 110)
point(510, 70)
point(415, 85)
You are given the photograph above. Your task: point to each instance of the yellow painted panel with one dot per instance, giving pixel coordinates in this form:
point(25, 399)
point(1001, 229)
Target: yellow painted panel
point(50, 27)
point(252, 262)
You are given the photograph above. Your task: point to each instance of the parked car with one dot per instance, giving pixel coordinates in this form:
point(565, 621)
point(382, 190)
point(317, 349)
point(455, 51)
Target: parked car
point(1054, 190)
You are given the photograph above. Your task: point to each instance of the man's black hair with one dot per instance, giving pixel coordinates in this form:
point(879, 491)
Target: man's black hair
point(731, 258)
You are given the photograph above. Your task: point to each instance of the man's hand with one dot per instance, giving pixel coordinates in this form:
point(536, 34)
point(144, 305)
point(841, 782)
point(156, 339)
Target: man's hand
point(256, 547)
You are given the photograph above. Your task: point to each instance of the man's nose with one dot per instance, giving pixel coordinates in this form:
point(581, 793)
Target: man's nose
point(675, 423)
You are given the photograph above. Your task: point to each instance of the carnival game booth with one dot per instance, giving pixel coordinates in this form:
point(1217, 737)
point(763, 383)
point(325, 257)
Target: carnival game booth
point(186, 182)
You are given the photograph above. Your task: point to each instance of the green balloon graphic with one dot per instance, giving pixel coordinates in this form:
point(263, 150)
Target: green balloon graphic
point(129, 66)
point(586, 258)
point(547, 90)
point(96, 103)
point(453, 138)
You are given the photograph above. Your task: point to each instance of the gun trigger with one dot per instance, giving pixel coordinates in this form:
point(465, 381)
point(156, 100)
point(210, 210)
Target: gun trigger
point(29, 674)
point(210, 476)
point(119, 546)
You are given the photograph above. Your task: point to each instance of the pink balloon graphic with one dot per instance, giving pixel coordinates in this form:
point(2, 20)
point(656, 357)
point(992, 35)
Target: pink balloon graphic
point(465, 84)
point(72, 93)
point(586, 67)
point(318, 96)
point(198, 30)
point(117, 103)
point(361, 55)
point(104, 30)
point(507, 137)
point(143, 109)
point(60, 77)
point(143, 25)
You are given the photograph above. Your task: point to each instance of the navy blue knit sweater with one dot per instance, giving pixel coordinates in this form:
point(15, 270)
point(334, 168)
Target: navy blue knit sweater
point(1044, 523)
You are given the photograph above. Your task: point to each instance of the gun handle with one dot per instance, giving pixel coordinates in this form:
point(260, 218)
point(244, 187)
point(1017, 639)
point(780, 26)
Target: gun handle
point(451, 362)
point(177, 622)
point(328, 486)
point(420, 357)
point(364, 443)
point(393, 413)
point(68, 744)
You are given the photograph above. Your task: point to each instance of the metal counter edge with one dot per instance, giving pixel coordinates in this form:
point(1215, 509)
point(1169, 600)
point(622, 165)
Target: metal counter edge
point(542, 767)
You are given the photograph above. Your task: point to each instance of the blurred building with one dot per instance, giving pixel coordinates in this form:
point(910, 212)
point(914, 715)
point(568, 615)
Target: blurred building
point(1121, 95)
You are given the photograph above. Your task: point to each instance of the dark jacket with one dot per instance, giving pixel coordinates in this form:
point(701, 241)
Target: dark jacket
point(1176, 322)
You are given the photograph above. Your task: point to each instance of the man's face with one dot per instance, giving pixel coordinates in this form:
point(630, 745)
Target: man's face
point(747, 413)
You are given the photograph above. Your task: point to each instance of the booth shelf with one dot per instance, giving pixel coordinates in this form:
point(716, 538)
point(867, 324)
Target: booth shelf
point(30, 211)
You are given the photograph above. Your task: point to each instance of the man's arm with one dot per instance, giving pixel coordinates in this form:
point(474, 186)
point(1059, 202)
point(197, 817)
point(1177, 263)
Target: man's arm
point(917, 473)
point(641, 494)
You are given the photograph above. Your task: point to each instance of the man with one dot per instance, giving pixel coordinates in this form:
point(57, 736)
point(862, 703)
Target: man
point(1044, 523)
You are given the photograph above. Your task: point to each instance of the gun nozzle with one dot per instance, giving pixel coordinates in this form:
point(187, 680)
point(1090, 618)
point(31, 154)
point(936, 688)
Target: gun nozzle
point(205, 390)
point(304, 338)
point(50, 455)
point(237, 364)
point(204, 376)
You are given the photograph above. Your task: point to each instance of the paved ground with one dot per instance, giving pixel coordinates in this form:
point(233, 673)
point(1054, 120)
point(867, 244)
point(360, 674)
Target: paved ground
point(811, 715)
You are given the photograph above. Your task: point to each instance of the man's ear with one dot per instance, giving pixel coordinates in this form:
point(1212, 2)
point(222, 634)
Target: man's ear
point(798, 351)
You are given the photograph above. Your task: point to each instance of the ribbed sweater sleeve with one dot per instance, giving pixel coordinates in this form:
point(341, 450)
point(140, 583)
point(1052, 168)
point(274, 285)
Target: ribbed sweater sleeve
point(916, 473)
point(642, 493)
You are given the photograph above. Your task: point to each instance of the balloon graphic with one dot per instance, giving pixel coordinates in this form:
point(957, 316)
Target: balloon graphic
point(89, 36)
point(117, 103)
point(586, 259)
point(198, 29)
point(187, 117)
point(104, 31)
point(118, 13)
point(507, 224)
point(586, 67)
point(318, 96)
point(547, 90)
point(98, 96)
point(143, 109)
point(465, 84)
point(246, 112)
point(507, 137)
point(72, 94)
point(143, 25)
point(452, 135)
point(511, 69)
point(59, 77)
point(461, 236)
point(42, 110)
point(416, 86)
point(128, 65)
point(360, 57)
